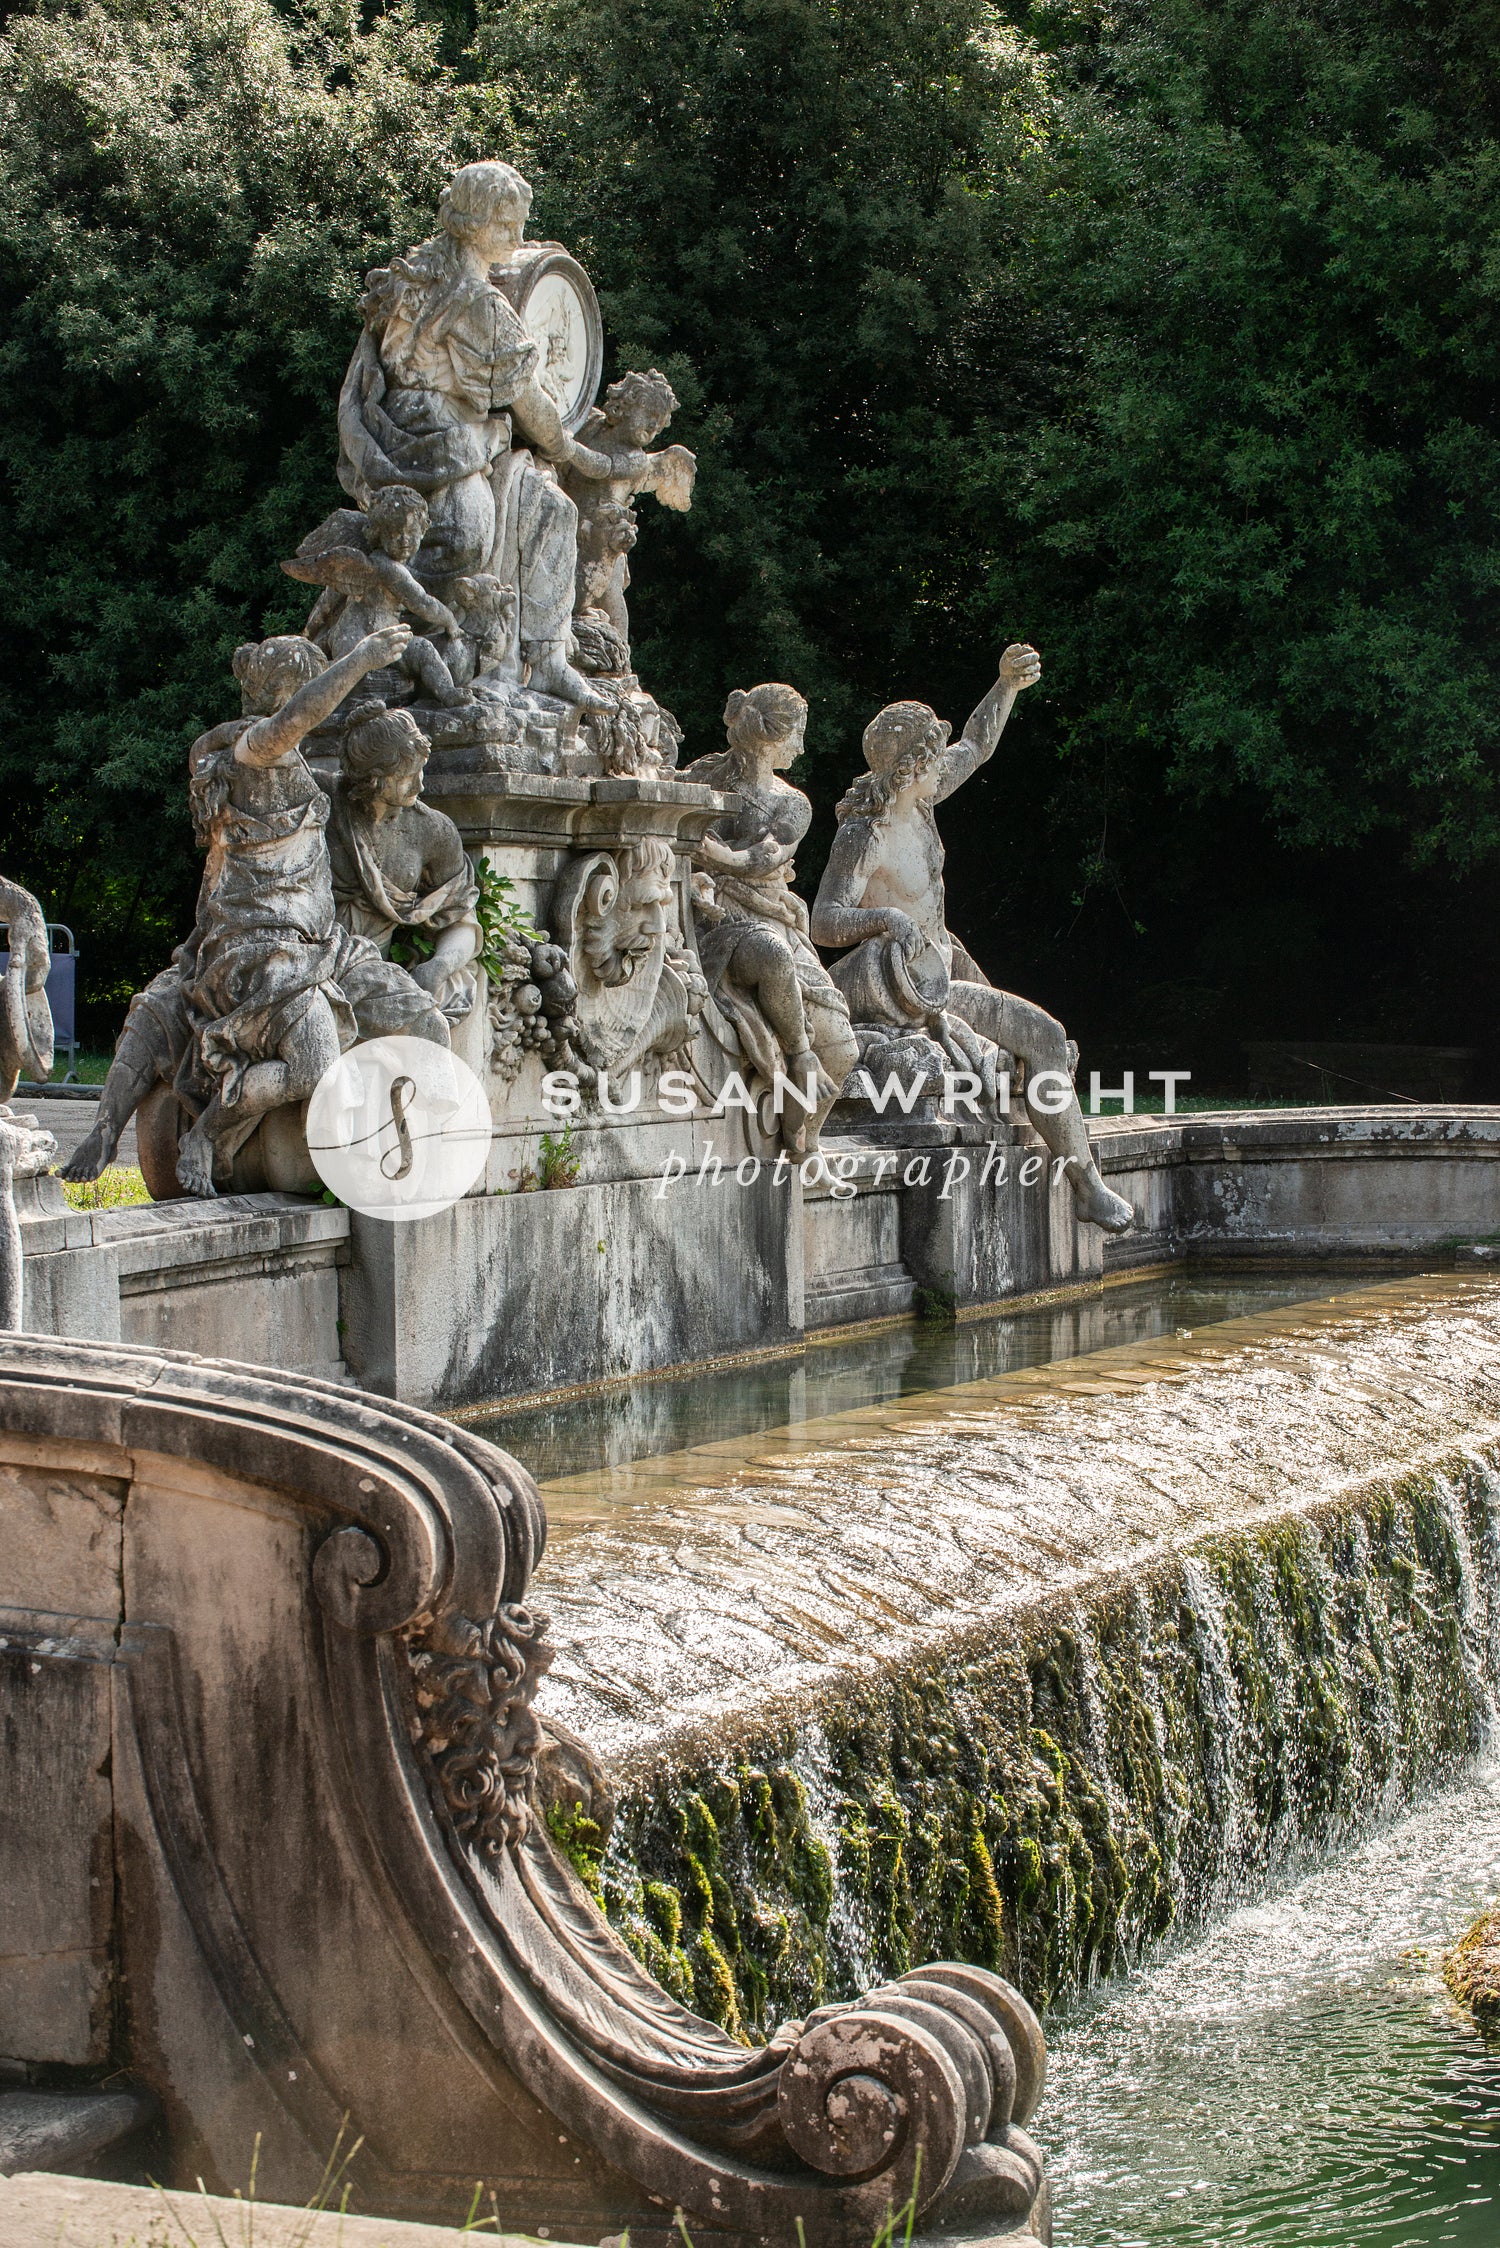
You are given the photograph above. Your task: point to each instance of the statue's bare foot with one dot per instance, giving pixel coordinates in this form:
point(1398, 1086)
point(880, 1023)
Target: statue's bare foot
point(1099, 1205)
point(552, 674)
point(90, 1157)
point(195, 1165)
point(799, 1132)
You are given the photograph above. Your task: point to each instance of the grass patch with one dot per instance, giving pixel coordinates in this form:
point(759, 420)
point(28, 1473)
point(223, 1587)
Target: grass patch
point(119, 1186)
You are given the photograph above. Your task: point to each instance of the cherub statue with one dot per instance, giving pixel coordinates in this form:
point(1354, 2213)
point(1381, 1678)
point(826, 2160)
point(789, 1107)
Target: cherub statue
point(270, 986)
point(484, 659)
point(882, 894)
point(752, 927)
point(635, 412)
point(361, 561)
point(399, 864)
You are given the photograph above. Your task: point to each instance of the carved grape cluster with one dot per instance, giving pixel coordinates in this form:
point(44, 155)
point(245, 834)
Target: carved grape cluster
point(532, 1006)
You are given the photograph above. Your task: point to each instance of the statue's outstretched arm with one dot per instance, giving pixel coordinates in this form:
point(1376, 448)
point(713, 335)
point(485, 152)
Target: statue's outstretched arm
point(535, 414)
point(1020, 667)
point(271, 739)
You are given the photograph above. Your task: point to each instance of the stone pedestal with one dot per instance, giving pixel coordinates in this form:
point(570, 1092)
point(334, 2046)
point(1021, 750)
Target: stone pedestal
point(600, 866)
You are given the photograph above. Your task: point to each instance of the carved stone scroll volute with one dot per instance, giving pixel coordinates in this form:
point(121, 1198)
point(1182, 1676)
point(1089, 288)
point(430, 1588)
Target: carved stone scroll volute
point(612, 913)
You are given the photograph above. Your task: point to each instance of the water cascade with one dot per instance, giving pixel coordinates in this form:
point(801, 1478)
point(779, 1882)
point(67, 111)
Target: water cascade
point(1031, 1670)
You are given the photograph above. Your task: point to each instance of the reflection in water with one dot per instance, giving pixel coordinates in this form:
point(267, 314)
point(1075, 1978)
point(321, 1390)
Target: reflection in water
point(1299, 2077)
point(611, 1428)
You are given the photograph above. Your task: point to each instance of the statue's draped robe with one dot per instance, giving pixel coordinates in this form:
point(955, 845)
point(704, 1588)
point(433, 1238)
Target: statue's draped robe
point(441, 357)
point(269, 940)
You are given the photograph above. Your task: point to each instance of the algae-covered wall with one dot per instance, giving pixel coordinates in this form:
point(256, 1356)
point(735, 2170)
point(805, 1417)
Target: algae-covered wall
point(1047, 1796)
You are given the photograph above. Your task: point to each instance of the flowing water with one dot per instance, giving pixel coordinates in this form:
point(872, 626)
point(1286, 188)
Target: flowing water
point(691, 1582)
point(1299, 2077)
point(603, 1433)
point(1046, 1640)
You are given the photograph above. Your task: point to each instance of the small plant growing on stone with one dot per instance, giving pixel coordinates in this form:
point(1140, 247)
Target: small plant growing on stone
point(560, 1162)
point(501, 918)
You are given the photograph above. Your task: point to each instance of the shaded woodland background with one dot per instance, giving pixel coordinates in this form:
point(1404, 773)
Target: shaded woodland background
point(1161, 333)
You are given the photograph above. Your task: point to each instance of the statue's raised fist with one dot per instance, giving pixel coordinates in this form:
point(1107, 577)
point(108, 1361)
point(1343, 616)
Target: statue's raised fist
point(1020, 666)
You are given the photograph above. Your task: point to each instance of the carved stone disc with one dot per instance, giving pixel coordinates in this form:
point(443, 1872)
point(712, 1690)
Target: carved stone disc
point(556, 300)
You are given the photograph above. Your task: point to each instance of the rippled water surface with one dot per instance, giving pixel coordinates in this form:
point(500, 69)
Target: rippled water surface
point(693, 1582)
point(1299, 2076)
point(604, 1434)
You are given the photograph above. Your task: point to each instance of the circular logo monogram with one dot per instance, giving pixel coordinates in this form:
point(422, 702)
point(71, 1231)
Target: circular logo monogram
point(399, 1128)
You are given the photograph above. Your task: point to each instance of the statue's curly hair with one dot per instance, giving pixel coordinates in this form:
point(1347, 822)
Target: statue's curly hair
point(377, 743)
point(397, 503)
point(650, 389)
point(269, 671)
point(901, 741)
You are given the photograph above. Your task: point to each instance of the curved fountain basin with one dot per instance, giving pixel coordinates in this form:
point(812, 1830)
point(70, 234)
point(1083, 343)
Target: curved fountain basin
point(1032, 1667)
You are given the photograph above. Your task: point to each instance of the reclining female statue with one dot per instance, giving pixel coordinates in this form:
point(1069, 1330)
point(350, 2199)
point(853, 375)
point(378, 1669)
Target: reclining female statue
point(882, 894)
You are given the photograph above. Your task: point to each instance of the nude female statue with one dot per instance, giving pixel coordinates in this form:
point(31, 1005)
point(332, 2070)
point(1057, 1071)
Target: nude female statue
point(752, 928)
point(882, 894)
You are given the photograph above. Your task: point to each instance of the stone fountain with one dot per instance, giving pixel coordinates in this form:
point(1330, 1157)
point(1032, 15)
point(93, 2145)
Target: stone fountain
point(296, 1856)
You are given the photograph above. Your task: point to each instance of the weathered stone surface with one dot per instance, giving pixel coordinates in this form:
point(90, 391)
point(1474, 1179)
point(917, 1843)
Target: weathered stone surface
point(251, 1277)
point(1313, 1182)
point(1472, 1968)
point(41, 2211)
point(338, 1910)
point(61, 2130)
point(56, 1845)
point(538, 1287)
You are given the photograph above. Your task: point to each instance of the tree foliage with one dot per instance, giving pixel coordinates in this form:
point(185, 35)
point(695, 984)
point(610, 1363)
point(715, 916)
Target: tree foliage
point(1159, 332)
point(1263, 518)
point(189, 197)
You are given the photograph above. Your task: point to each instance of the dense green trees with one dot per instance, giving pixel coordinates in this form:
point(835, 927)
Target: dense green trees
point(187, 196)
point(1160, 332)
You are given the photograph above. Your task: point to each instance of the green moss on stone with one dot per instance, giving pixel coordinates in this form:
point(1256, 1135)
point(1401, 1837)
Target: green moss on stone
point(1472, 1969)
point(1049, 1796)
